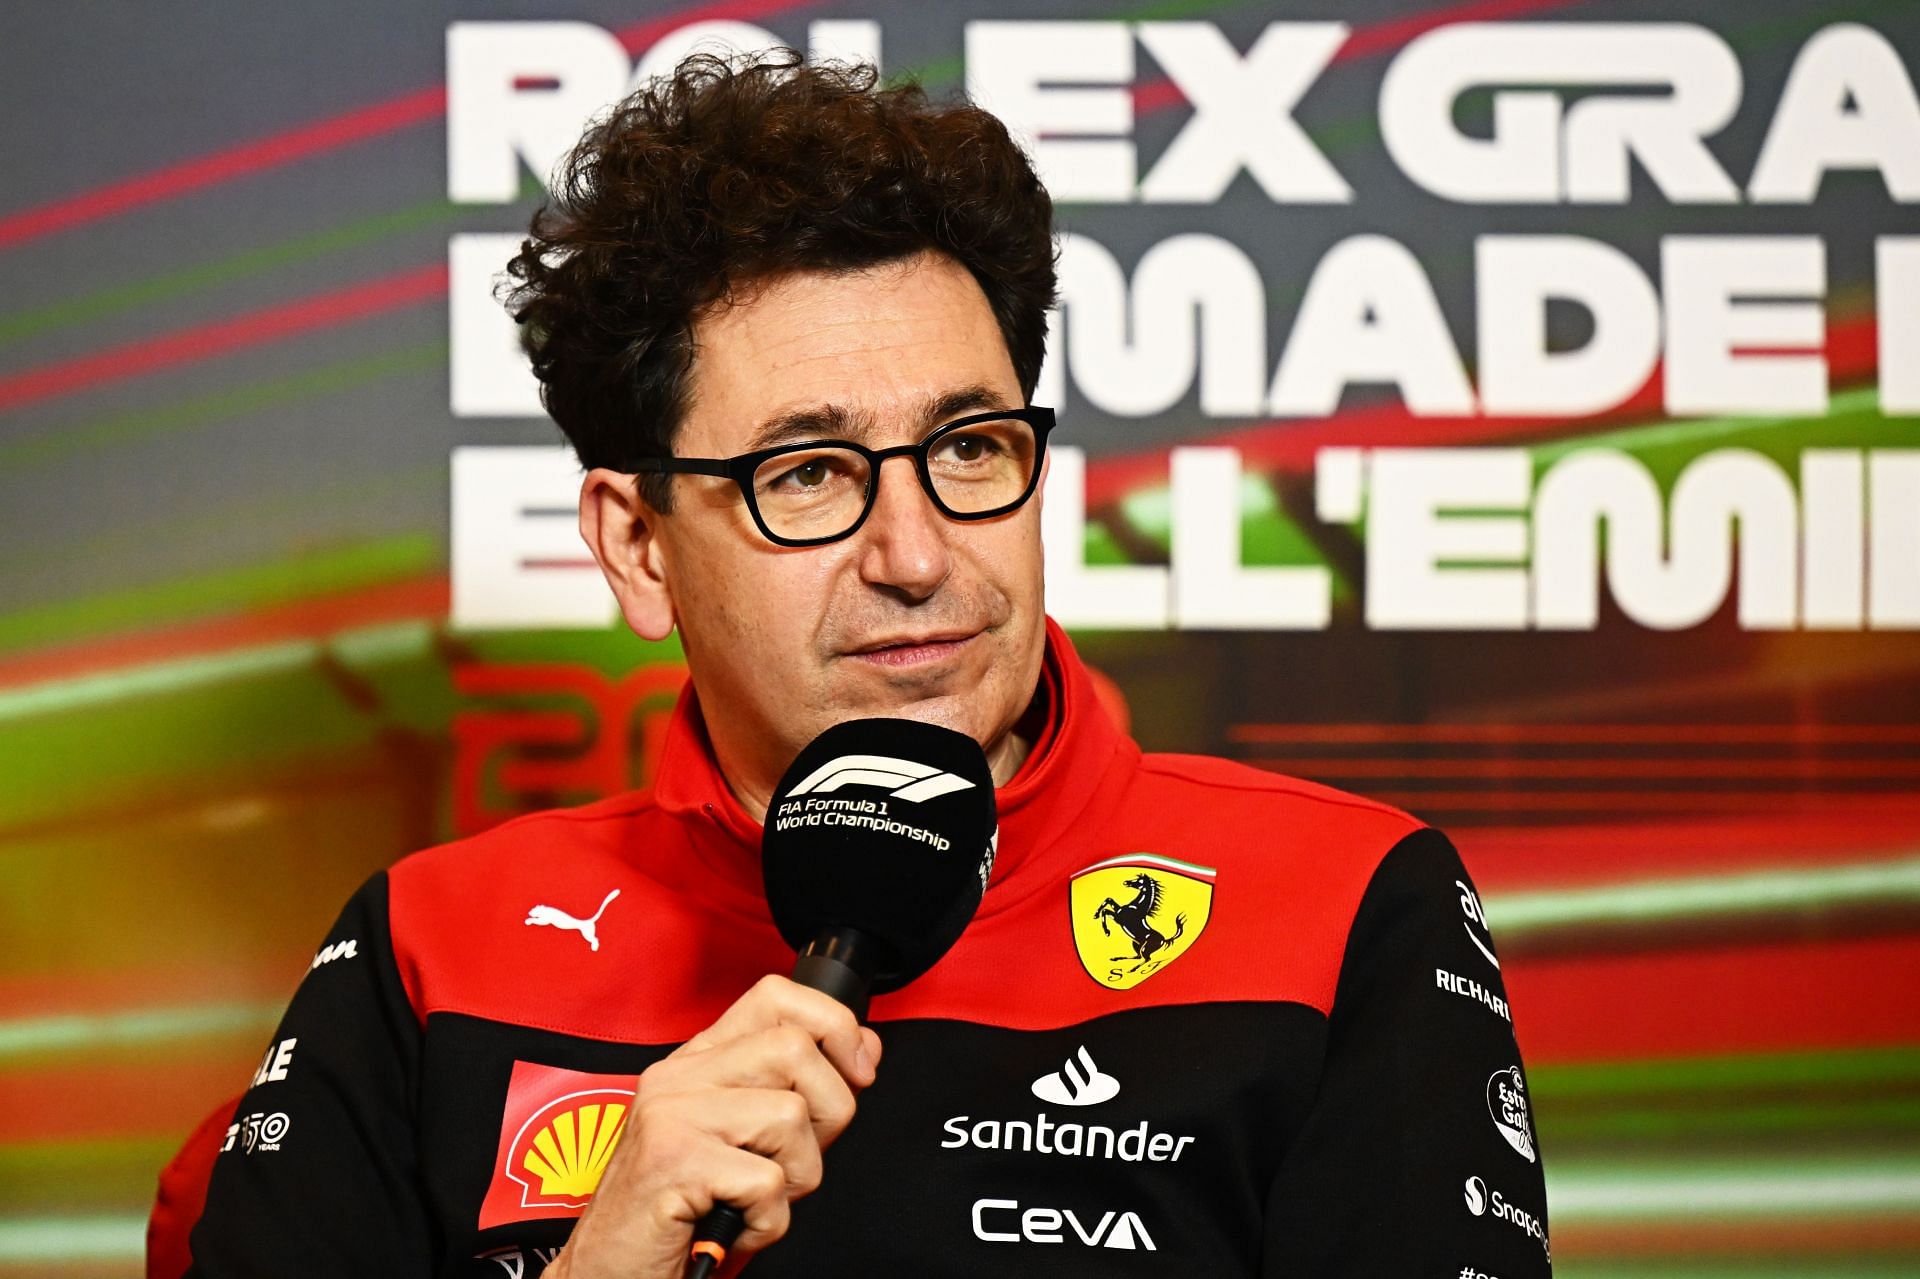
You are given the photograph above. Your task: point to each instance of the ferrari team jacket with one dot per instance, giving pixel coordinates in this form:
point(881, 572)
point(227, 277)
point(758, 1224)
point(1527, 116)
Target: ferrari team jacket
point(1208, 1020)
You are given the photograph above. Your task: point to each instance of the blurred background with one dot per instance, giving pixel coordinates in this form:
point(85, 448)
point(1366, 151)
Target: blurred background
point(230, 688)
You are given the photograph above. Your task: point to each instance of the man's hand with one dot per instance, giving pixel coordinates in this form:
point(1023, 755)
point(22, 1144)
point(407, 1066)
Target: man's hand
point(738, 1114)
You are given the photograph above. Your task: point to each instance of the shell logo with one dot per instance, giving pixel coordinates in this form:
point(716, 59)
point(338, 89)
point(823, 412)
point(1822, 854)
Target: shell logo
point(558, 1131)
point(566, 1154)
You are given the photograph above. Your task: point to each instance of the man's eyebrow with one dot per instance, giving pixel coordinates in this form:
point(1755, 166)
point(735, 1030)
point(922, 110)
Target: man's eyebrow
point(834, 422)
point(827, 421)
point(968, 399)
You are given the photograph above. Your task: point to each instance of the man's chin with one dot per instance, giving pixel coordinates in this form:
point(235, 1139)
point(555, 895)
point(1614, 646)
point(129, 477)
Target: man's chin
point(945, 707)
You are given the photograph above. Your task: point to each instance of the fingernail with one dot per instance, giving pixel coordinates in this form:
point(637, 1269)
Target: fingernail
point(863, 1060)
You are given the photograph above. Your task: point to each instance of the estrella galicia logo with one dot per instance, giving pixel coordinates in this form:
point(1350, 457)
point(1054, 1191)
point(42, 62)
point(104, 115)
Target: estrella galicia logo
point(1135, 914)
point(1077, 1083)
point(1507, 1105)
point(905, 778)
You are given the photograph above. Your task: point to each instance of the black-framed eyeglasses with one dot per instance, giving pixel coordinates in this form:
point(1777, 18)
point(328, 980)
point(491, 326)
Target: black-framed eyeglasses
point(820, 491)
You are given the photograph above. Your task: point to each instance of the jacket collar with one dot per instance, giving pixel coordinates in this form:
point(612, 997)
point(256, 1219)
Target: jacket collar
point(1078, 750)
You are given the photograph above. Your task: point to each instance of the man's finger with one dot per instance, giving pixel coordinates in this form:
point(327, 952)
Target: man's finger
point(779, 1057)
point(775, 1001)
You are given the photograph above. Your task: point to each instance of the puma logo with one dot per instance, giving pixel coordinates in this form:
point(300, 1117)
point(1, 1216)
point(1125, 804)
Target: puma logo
point(554, 917)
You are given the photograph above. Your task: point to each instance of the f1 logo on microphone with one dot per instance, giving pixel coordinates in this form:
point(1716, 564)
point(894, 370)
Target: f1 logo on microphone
point(903, 778)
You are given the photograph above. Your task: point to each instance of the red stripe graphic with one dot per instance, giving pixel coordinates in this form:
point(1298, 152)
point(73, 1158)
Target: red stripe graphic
point(359, 125)
point(1841, 830)
point(1757, 998)
point(422, 599)
point(1384, 36)
point(1578, 734)
point(1732, 768)
point(222, 166)
point(340, 306)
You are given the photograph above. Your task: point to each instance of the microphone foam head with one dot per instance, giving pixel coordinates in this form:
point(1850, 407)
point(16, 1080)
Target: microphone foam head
point(887, 827)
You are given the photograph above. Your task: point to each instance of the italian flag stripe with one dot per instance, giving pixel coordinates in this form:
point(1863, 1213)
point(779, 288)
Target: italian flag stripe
point(1152, 859)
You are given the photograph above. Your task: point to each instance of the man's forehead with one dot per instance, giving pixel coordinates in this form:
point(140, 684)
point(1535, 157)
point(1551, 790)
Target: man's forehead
point(845, 354)
point(833, 420)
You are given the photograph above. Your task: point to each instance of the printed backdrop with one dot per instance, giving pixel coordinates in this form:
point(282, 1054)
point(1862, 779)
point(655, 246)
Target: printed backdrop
point(1562, 374)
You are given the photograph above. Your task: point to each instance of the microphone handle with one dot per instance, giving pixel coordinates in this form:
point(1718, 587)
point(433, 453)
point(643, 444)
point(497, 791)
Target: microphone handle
point(838, 962)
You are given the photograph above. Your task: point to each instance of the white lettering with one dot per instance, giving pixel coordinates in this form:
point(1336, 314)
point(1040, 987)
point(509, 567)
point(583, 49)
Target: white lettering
point(980, 1207)
point(1195, 300)
point(1515, 277)
point(1083, 595)
point(519, 92)
point(1893, 496)
point(1897, 293)
point(1138, 1144)
point(1020, 70)
point(1664, 590)
point(1710, 282)
point(517, 560)
point(1041, 1225)
point(274, 1066)
point(1369, 315)
point(338, 950)
point(1833, 549)
point(722, 37)
point(1243, 112)
point(488, 372)
point(1211, 590)
point(1847, 104)
point(1414, 581)
point(1537, 154)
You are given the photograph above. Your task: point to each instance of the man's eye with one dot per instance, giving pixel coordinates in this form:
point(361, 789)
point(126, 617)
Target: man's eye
point(811, 475)
point(966, 448)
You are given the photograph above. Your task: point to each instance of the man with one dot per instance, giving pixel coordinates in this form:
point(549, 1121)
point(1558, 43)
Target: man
point(1206, 1019)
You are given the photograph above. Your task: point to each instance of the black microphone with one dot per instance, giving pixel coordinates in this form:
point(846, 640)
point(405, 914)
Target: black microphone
point(878, 844)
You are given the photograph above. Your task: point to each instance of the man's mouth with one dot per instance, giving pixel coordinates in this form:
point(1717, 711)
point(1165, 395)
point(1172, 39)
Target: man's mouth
point(914, 650)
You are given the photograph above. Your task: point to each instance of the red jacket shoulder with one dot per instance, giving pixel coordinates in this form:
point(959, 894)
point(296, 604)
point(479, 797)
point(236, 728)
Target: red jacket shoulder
point(521, 848)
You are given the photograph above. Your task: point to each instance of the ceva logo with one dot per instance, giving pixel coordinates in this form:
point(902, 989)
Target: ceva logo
point(1010, 1224)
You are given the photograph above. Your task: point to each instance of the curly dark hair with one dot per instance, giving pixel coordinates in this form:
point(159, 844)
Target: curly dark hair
point(732, 172)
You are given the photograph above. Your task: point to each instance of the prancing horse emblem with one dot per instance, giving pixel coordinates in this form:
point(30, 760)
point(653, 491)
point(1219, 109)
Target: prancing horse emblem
point(1136, 919)
point(1156, 905)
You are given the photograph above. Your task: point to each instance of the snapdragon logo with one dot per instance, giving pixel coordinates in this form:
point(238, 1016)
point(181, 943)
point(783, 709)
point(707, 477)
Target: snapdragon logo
point(1004, 1221)
point(1481, 1201)
point(905, 778)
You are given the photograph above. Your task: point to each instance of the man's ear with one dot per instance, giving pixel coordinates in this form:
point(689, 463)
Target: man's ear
point(623, 532)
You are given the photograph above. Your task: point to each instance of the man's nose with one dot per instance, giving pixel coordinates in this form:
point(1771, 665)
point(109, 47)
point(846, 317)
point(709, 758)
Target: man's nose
point(905, 536)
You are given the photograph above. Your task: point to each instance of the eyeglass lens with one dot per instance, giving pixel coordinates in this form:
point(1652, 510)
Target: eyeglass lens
point(821, 490)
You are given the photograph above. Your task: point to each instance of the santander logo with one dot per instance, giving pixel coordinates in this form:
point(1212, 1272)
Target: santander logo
point(1077, 1083)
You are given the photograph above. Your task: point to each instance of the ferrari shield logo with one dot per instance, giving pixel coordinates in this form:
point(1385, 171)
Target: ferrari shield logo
point(1136, 913)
